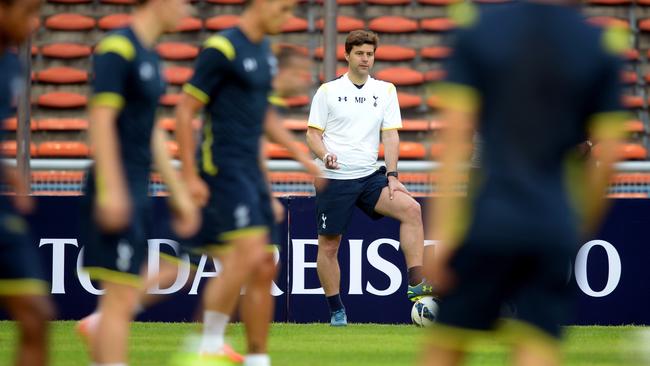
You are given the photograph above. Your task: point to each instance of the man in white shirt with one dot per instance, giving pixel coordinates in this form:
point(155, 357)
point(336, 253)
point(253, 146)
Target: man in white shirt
point(347, 117)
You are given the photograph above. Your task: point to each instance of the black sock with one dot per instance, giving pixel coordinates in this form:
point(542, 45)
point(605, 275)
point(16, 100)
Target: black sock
point(334, 302)
point(415, 275)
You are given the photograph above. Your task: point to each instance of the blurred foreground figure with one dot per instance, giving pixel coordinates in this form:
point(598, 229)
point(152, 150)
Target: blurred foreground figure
point(535, 81)
point(23, 292)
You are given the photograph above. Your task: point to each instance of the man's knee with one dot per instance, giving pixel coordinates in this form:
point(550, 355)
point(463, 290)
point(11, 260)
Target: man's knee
point(33, 315)
point(412, 212)
point(328, 245)
point(267, 270)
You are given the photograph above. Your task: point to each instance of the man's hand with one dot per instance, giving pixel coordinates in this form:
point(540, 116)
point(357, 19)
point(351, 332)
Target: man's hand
point(278, 210)
point(395, 185)
point(113, 212)
point(331, 161)
point(198, 189)
point(186, 219)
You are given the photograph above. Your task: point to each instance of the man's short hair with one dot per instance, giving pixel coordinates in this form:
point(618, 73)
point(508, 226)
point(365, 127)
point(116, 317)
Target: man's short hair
point(359, 38)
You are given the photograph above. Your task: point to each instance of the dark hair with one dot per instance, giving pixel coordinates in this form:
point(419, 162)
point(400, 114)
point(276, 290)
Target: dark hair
point(286, 53)
point(360, 37)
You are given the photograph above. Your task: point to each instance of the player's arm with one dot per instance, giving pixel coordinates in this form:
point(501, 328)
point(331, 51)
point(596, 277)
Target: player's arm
point(318, 115)
point(390, 137)
point(22, 200)
point(186, 109)
point(276, 132)
point(276, 206)
point(185, 211)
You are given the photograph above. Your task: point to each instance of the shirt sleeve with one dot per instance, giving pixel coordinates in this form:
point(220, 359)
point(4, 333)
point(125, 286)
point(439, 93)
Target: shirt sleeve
point(392, 117)
point(211, 66)
point(319, 113)
point(111, 62)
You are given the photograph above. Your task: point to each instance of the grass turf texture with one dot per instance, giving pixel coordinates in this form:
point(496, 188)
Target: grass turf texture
point(320, 345)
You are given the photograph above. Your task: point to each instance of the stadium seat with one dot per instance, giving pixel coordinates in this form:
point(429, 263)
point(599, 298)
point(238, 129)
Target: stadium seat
point(114, 21)
point(609, 2)
point(11, 124)
point(34, 51)
point(632, 101)
point(71, 2)
point(118, 2)
point(436, 2)
point(290, 177)
point(339, 71)
point(630, 178)
point(407, 150)
point(62, 100)
point(630, 77)
point(9, 148)
point(394, 53)
point(170, 100)
point(606, 21)
point(435, 53)
point(628, 195)
point(66, 51)
point(634, 126)
point(295, 24)
point(297, 101)
point(275, 151)
point(338, 2)
point(177, 51)
point(340, 52)
point(295, 124)
point(406, 100)
point(62, 75)
point(343, 24)
point(62, 149)
point(58, 176)
point(415, 125)
point(628, 151)
point(178, 75)
point(437, 125)
point(437, 24)
point(434, 75)
point(389, 2)
point(70, 22)
point(631, 55)
point(400, 76)
point(393, 24)
point(221, 22)
point(226, 2)
point(189, 24)
point(62, 124)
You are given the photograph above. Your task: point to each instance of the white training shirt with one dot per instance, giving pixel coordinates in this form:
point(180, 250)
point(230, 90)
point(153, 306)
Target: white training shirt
point(351, 120)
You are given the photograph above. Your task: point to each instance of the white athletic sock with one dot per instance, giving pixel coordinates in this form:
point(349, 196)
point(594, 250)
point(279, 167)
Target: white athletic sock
point(257, 360)
point(214, 328)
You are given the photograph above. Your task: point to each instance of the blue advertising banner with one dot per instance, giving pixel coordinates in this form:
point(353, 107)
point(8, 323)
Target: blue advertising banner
point(610, 273)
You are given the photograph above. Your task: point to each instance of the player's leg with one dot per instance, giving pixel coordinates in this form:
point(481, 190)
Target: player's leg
point(439, 356)
point(329, 272)
point(32, 314)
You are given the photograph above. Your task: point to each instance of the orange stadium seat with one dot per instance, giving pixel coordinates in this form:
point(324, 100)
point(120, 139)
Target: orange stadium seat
point(178, 75)
point(435, 53)
point(177, 51)
point(295, 24)
point(189, 24)
point(437, 24)
point(62, 75)
point(114, 21)
point(70, 22)
point(606, 21)
point(275, 151)
point(391, 52)
point(343, 24)
point(393, 24)
point(634, 126)
point(415, 125)
point(297, 101)
point(631, 55)
point(628, 151)
point(118, 2)
point(71, 2)
point(434, 75)
point(62, 149)
point(643, 2)
point(389, 2)
point(221, 22)
point(66, 50)
point(407, 100)
point(62, 100)
point(9, 148)
point(295, 124)
point(630, 77)
point(400, 76)
point(225, 2)
point(290, 177)
point(34, 51)
point(338, 2)
point(170, 100)
point(11, 124)
point(340, 52)
point(632, 101)
point(62, 124)
point(407, 150)
point(57, 176)
point(436, 2)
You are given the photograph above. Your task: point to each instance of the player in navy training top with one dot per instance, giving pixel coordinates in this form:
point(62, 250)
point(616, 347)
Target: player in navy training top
point(232, 81)
point(117, 212)
point(23, 290)
point(536, 80)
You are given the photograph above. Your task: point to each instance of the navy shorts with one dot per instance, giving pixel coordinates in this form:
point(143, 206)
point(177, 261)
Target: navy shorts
point(335, 202)
point(532, 275)
point(116, 257)
point(20, 269)
point(239, 206)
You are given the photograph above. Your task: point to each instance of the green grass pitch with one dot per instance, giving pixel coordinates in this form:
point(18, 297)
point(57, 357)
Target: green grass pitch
point(152, 344)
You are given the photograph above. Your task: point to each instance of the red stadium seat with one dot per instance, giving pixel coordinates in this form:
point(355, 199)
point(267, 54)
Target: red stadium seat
point(62, 100)
point(275, 151)
point(437, 24)
point(178, 75)
point(406, 100)
point(66, 50)
point(344, 24)
point(62, 75)
point(177, 51)
point(226, 2)
point(189, 24)
point(630, 77)
point(70, 22)
point(415, 125)
point(407, 150)
point(62, 124)
point(114, 21)
point(393, 24)
point(62, 149)
point(340, 52)
point(628, 151)
point(435, 53)
point(221, 22)
point(634, 126)
point(643, 2)
point(9, 149)
point(394, 53)
point(400, 76)
point(632, 101)
point(605, 21)
point(170, 100)
point(295, 24)
point(297, 101)
point(389, 2)
point(295, 124)
point(631, 54)
point(434, 75)
point(11, 124)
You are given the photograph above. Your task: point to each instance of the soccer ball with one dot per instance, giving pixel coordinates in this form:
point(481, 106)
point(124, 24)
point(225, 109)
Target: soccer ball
point(424, 311)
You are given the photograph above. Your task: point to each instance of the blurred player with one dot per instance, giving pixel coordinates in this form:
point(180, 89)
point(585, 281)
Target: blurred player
point(535, 80)
point(232, 80)
point(117, 211)
point(348, 115)
point(23, 291)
